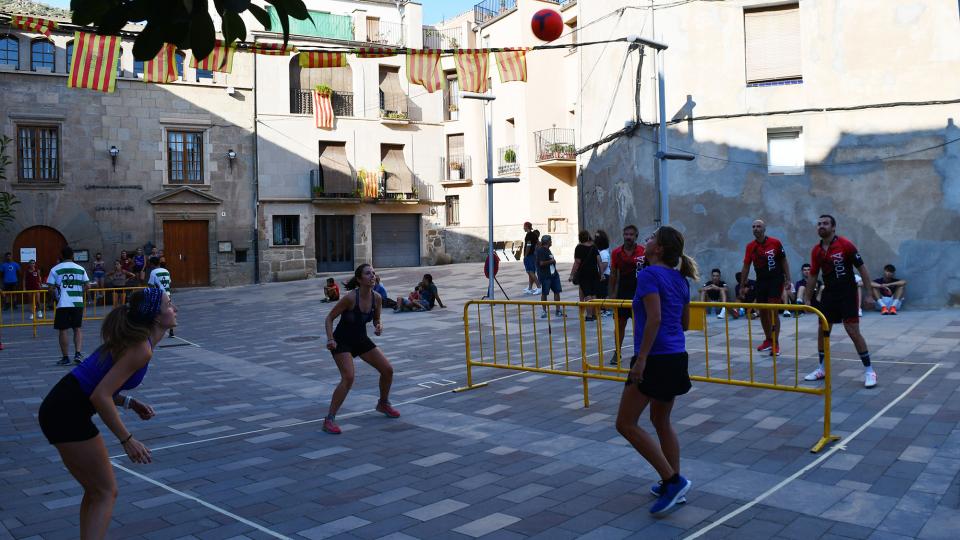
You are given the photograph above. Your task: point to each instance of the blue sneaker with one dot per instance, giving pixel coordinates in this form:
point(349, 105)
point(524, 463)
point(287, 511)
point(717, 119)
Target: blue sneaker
point(670, 495)
point(655, 491)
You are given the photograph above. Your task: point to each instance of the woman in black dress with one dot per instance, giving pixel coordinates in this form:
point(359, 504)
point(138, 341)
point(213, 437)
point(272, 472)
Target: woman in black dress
point(586, 270)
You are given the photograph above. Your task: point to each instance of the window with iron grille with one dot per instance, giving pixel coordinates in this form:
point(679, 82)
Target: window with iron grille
point(286, 230)
point(10, 51)
point(38, 150)
point(69, 55)
point(453, 209)
point(41, 54)
point(184, 157)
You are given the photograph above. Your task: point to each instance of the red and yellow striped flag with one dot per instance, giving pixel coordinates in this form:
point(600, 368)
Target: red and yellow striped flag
point(423, 68)
point(472, 67)
point(322, 110)
point(220, 59)
point(163, 67)
point(375, 52)
point(317, 59)
point(34, 24)
point(512, 65)
point(94, 62)
point(272, 49)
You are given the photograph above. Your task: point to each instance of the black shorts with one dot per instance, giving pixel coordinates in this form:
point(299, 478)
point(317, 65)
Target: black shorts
point(769, 291)
point(626, 313)
point(66, 414)
point(68, 317)
point(11, 286)
point(604, 287)
point(839, 304)
point(589, 286)
point(665, 376)
point(355, 346)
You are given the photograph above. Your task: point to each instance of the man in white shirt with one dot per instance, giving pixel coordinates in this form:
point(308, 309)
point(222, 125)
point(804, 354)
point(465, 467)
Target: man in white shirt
point(68, 283)
point(159, 278)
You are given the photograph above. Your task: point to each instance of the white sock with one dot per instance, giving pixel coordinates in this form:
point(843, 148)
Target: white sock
point(868, 369)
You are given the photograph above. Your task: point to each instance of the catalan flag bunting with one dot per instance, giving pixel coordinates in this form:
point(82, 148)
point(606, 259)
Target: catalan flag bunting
point(512, 65)
point(322, 59)
point(472, 67)
point(94, 62)
point(272, 49)
point(163, 67)
point(220, 59)
point(375, 52)
point(423, 68)
point(322, 110)
point(34, 24)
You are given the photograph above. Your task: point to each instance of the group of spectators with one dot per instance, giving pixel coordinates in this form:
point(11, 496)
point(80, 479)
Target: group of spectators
point(423, 297)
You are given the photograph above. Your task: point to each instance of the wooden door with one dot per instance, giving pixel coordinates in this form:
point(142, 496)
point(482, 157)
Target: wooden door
point(334, 243)
point(186, 249)
point(48, 243)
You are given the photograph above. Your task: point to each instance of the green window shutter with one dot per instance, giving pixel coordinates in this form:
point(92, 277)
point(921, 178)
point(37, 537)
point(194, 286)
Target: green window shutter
point(320, 24)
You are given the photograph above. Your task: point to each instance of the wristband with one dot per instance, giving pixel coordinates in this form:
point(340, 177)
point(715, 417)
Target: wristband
point(125, 441)
point(126, 402)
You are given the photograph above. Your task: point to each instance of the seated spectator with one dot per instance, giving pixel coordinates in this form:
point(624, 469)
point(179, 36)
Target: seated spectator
point(802, 284)
point(714, 290)
point(331, 292)
point(888, 291)
point(423, 298)
point(388, 302)
point(749, 296)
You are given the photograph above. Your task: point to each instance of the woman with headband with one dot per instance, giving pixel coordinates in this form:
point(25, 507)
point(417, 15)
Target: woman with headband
point(129, 332)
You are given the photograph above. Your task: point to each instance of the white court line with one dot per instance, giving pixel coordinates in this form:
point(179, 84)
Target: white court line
point(181, 339)
point(203, 503)
point(836, 447)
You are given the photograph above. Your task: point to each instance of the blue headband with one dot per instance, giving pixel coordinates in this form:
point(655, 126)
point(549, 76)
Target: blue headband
point(149, 307)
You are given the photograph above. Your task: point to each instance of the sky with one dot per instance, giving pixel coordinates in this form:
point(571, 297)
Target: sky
point(433, 10)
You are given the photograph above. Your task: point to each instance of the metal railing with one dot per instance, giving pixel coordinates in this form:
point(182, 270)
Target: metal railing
point(455, 168)
point(364, 185)
point(334, 185)
point(384, 33)
point(512, 335)
point(448, 38)
point(451, 104)
point(555, 143)
point(491, 9)
point(36, 308)
point(394, 106)
point(301, 102)
point(508, 160)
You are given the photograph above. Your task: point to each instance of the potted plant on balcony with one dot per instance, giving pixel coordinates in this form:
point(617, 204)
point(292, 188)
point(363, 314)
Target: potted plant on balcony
point(317, 192)
point(510, 156)
point(456, 170)
point(323, 90)
point(383, 175)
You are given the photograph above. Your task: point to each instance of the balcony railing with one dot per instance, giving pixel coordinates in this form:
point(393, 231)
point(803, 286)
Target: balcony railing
point(555, 144)
point(301, 102)
point(456, 168)
point(449, 38)
point(509, 160)
point(491, 9)
point(384, 33)
point(363, 185)
point(451, 104)
point(326, 184)
point(320, 24)
point(394, 106)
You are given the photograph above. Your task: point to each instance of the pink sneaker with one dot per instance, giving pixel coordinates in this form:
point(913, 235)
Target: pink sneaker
point(330, 426)
point(387, 409)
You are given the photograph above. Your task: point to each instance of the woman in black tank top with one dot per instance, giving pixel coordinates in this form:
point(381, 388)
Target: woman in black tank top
point(350, 340)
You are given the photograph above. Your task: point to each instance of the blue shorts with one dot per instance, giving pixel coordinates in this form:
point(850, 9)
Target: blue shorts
point(550, 283)
point(530, 263)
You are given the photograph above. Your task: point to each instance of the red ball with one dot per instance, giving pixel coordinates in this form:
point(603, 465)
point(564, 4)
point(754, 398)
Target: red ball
point(546, 24)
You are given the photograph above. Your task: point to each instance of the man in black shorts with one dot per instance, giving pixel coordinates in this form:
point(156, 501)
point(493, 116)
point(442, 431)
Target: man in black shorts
point(625, 262)
point(68, 283)
point(772, 271)
point(837, 257)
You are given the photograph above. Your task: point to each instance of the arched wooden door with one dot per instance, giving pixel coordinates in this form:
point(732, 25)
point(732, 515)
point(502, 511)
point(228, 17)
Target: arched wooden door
point(48, 242)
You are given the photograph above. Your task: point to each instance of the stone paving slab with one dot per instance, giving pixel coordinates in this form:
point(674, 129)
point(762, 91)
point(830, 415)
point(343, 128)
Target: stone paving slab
point(240, 393)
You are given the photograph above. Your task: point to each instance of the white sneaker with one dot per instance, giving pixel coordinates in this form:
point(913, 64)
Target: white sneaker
point(39, 314)
point(723, 311)
point(788, 314)
point(859, 312)
point(816, 375)
point(543, 315)
point(535, 291)
point(869, 379)
point(527, 291)
point(30, 317)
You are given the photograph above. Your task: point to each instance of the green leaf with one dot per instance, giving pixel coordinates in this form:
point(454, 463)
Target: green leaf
point(140, 10)
point(261, 15)
point(233, 27)
point(237, 6)
point(284, 18)
point(202, 34)
point(111, 22)
point(296, 9)
point(148, 43)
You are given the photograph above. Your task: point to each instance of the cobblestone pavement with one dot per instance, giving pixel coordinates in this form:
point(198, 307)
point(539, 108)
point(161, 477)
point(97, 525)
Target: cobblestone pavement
point(238, 451)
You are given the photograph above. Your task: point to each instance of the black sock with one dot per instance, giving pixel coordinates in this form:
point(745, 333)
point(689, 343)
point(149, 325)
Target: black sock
point(673, 479)
point(822, 356)
point(865, 358)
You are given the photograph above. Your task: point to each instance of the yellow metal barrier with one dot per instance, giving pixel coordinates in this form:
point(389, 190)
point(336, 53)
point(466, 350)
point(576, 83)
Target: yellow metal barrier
point(37, 308)
point(532, 336)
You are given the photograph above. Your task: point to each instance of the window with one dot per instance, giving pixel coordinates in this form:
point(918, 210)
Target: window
point(10, 51)
point(337, 178)
point(69, 55)
point(451, 96)
point(38, 150)
point(120, 64)
point(204, 74)
point(772, 44)
point(179, 60)
point(138, 68)
point(393, 100)
point(304, 80)
point(286, 230)
point(41, 54)
point(240, 256)
point(557, 225)
point(453, 209)
point(552, 195)
point(185, 157)
point(785, 151)
point(399, 176)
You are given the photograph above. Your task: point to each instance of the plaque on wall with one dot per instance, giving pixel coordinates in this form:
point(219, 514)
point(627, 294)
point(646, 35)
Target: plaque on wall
point(81, 255)
point(225, 246)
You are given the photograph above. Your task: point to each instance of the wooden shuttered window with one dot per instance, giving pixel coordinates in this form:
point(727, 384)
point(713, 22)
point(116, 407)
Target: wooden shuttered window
point(38, 153)
point(772, 43)
point(338, 178)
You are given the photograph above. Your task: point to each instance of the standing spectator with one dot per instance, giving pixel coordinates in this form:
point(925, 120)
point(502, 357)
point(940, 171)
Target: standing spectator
point(159, 278)
point(163, 259)
point(658, 370)
point(585, 271)
point(125, 261)
point(139, 263)
point(33, 282)
point(837, 257)
point(68, 282)
point(625, 262)
point(117, 280)
point(888, 290)
point(99, 271)
point(331, 291)
point(530, 241)
point(714, 290)
point(770, 266)
point(548, 275)
point(602, 241)
point(11, 277)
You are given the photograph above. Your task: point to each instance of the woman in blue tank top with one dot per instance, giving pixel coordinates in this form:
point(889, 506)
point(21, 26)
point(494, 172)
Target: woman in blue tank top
point(355, 309)
point(129, 332)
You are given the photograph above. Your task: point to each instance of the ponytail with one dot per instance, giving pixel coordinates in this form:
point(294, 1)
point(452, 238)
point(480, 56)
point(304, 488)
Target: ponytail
point(120, 332)
point(355, 280)
point(689, 268)
point(671, 240)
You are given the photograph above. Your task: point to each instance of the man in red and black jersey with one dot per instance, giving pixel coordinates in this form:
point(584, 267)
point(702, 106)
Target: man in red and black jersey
point(836, 257)
point(625, 262)
point(770, 265)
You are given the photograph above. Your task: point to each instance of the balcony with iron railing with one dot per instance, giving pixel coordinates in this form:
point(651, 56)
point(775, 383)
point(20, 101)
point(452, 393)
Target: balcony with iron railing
point(508, 160)
point(394, 107)
point(555, 147)
point(329, 184)
point(366, 186)
point(448, 38)
point(455, 169)
point(451, 104)
point(384, 33)
point(488, 10)
point(301, 102)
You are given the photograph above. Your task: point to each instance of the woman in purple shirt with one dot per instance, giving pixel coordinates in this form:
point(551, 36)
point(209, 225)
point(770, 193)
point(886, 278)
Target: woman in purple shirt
point(130, 332)
point(658, 370)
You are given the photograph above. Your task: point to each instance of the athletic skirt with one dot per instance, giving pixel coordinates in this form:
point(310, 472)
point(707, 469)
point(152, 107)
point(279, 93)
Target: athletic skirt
point(665, 376)
point(66, 414)
point(355, 345)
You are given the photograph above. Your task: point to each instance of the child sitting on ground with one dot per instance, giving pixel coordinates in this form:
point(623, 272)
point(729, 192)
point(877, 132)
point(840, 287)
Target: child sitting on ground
point(331, 291)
